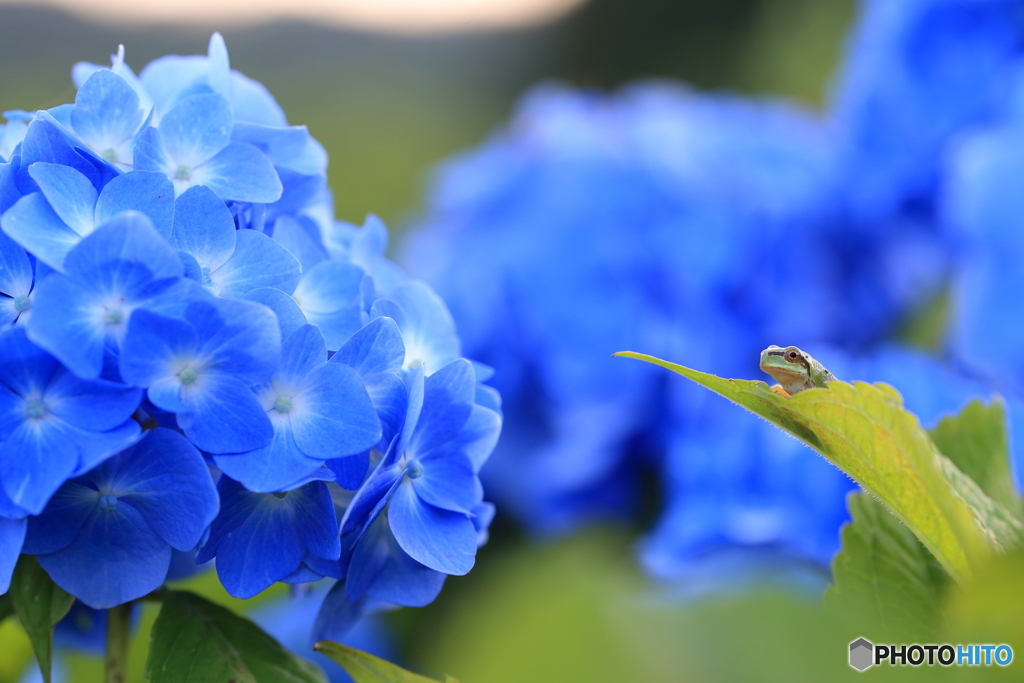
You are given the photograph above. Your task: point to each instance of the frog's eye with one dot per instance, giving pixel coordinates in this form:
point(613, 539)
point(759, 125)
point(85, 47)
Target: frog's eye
point(792, 356)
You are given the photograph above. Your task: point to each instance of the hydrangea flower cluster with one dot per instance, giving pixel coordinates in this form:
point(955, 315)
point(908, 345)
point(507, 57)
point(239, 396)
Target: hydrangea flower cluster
point(704, 227)
point(198, 357)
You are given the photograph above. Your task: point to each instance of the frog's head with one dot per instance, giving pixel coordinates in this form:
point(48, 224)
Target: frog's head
point(788, 365)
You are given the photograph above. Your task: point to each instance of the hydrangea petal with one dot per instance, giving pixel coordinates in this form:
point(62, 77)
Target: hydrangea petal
point(12, 535)
point(440, 539)
point(147, 192)
point(225, 417)
point(448, 397)
point(375, 348)
point(278, 466)
point(203, 227)
point(62, 519)
point(402, 580)
point(238, 337)
point(98, 446)
point(124, 556)
point(46, 140)
point(196, 129)
point(70, 193)
point(350, 471)
point(337, 615)
point(151, 155)
point(257, 262)
point(449, 482)
point(428, 328)
point(32, 223)
point(107, 110)
point(219, 66)
point(98, 405)
point(316, 521)
point(151, 345)
point(165, 478)
point(335, 416)
point(15, 268)
point(242, 173)
point(35, 460)
point(289, 233)
point(131, 238)
point(288, 313)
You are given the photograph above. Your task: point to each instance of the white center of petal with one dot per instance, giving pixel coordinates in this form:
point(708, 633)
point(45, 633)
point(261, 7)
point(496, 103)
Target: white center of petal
point(35, 409)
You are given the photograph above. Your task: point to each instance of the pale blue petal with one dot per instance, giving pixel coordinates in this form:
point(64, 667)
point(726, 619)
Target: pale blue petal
point(334, 416)
point(15, 268)
point(391, 400)
point(476, 439)
point(290, 234)
point(70, 193)
point(129, 237)
point(442, 540)
point(12, 535)
point(203, 227)
point(374, 349)
point(166, 479)
point(239, 338)
point(414, 385)
point(165, 78)
point(152, 345)
point(288, 313)
point(165, 393)
point(302, 353)
point(147, 192)
point(46, 140)
point(107, 111)
point(32, 223)
point(278, 466)
point(8, 311)
point(125, 559)
point(252, 102)
point(150, 154)
point(196, 128)
point(220, 67)
point(224, 416)
point(328, 287)
point(95, 405)
point(258, 261)
point(242, 173)
point(428, 328)
point(66, 322)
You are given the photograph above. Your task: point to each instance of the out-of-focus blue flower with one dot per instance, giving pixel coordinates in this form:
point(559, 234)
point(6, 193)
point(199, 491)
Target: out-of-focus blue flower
point(54, 425)
point(107, 536)
point(202, 367)
point(262, 538)
point(82, 314)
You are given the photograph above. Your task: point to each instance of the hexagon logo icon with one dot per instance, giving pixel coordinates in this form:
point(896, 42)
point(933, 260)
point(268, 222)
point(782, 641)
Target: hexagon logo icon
point(861, 652)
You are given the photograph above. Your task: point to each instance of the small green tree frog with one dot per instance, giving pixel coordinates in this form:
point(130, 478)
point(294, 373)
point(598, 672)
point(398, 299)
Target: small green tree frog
point(793, 369)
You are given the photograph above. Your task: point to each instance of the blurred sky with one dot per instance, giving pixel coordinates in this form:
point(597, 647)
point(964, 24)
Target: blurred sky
point(402, 16)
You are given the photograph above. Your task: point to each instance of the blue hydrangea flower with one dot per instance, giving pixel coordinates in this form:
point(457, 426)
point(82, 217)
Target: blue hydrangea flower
point(107, 536)
point(54, 425)
point(82, 314)
point(260, 539)
point(17, 278)
point(12, 536)
point(202, 367)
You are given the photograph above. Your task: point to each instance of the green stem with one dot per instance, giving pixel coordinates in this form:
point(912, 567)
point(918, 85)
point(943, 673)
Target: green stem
point(119, 627)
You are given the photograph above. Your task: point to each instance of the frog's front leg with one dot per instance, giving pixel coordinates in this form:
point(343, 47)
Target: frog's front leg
point(777, 388)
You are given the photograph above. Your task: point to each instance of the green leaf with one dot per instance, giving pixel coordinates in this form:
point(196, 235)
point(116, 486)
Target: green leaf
point(975, 441)
point(864, 430)
point(365, 668)
point(195, 640)
point(6, 606)
point(884, 577)
point(39, 604)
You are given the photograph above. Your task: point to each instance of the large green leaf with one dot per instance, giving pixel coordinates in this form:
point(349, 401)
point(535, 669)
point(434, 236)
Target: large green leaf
point(365, 668)
point(6, 606)
point(196, 641)
point(884, 577)
point(39, 604)
point(864, 430)
point(975, 441)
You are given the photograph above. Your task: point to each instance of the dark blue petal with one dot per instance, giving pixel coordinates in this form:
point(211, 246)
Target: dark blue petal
point(334, 415)
point(95, 447)
point(70, 193)
point(315, 519)
point(166, 479)
point(257, 261)
point(337, 614)
point(350, 472)
point(147, 192)
point(107, 111)
point(402, 580)
point(372, 495)
point(35, 460)
point(32, 223)
point(391, 400)
point(278, 466)
point(62, 519)
point(224, 416)
point(239, 338)
point(375, 348)
point(46, 140)
point(25, 367)
point(442, 540)
point(203, 227)
point(12, 534)
point(116, 557)
point(95, 405)
point(241, 173)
